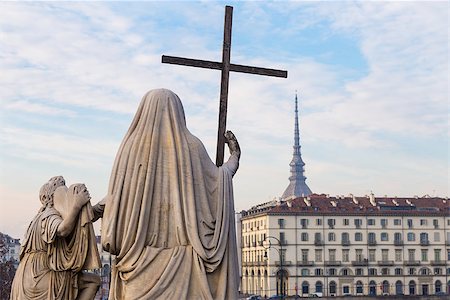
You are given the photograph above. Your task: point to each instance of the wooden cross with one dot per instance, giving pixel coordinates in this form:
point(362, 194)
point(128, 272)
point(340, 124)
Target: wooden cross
point(225, 66)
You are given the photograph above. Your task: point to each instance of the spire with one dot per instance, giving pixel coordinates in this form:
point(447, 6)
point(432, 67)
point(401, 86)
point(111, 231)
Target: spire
point(297, 186)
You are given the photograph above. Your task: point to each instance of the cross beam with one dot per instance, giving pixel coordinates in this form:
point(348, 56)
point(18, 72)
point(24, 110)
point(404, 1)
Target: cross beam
point(225, 66)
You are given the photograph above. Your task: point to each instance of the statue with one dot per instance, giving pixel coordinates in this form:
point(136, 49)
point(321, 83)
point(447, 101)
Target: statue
point(169, 211)
point(58, 245)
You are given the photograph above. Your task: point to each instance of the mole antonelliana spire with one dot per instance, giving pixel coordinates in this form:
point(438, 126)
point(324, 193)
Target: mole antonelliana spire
point(297, 186)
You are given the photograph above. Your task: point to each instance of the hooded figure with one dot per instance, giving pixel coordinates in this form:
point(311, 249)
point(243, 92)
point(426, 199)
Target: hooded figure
point(169, 213)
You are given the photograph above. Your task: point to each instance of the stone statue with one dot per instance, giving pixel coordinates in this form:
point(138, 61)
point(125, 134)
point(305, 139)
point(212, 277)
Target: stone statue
point(58, 245)
point(169, 212)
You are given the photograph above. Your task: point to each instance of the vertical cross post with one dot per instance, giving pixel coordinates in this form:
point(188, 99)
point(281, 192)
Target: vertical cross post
point(226, 53)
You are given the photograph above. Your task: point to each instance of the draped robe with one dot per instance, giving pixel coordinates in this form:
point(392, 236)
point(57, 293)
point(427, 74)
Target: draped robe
point(169, 213)
point(50, 265)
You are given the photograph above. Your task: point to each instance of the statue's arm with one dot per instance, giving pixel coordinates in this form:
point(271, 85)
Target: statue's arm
point(80, 199)
point(99, 209)
point(235, 150)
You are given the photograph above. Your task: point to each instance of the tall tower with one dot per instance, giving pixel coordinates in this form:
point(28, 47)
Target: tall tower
point(297, 181)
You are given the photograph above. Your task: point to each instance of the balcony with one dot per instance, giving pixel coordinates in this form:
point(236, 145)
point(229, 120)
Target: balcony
point(305, 263)
point(332, 263)
point(424, 243)
point(412, 262)
point(253, 263)
point(285, 263)
point(345, 243)
point(398, 242)
point(318, 242)
point(438, 262)
point(362, 262)
point(385, 262)
point(372, 243)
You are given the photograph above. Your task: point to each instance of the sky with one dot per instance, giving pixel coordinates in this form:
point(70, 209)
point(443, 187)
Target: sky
point(372, 80)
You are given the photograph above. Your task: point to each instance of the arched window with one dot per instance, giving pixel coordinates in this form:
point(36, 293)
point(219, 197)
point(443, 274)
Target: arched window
point(305, 288)
point(372, 288)
point(332, 287)
point(359, 287)
point(437, 286)
point(385, 287)
point(399, 288)
point(424, 271)
point(412, 287)
point(319, 287)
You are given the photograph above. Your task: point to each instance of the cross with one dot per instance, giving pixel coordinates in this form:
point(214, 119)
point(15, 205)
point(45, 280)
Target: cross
point(225, 66)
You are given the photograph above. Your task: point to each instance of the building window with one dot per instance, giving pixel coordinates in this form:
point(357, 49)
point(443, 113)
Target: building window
point(346, 290)
point(319, 222)
point(437, 237)
point(399, 288)
point(319, 287)
point(332, 254)
point(436, 223)
point(331, 223)
point(305, 272)
point(411, 237)
point(305, 255)
point(398, 271)
point(318, 272)
point(358, 223)
point(384, 237)
point(318, 255)
point(385, 271)
point(304, 236)
point(398, 255)
point(332, 272)
point(437, 271)
point(345, 238)
point(331, 237)
point(304, 223)
point(359, 272)
point(412, 287)
point(397, 222)
point(345, 222)
point(345, 272)
point(345, 256)
point(371, 238)
point(318, 237)
point(437, 254)
point(437, 286)
point(423, 237)
point(371, 222)
point(411, 254)
point(412, 271)
point(397, 237)
point(410, 223)
point(371, 255)
point(384, 254)
point(384, 222)
point(424, 254)
point(424, 271)
point(359, 255)
point(359, 287)
point(281, 223)
point(448, 254)
point(358, 236)
point(372, 271)
point(305, 287)
point(423, 222)
point(332, 288)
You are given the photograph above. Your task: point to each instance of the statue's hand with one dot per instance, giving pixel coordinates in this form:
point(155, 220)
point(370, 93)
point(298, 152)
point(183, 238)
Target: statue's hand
point(233, 144)
point(81, 195)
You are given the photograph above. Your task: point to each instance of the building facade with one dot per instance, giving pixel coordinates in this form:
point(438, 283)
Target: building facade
point(304, 243)
point(347, 245)
point(10, 249)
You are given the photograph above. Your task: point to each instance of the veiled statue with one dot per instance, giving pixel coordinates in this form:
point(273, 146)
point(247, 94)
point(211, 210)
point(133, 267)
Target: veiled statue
point(59, 247)
point(169, 213)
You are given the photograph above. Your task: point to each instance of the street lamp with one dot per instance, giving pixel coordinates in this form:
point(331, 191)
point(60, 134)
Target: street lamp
point(280, 253)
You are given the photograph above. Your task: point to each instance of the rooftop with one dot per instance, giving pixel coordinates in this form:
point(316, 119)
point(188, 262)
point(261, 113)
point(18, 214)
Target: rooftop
point(351, 205)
